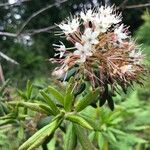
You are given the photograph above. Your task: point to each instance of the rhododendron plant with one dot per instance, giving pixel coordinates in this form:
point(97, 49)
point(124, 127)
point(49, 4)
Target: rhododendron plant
point(99, 61)
point(102, 50)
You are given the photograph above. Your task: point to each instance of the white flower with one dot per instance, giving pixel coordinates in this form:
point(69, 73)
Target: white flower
point(105, 10)
point(136, 56)
point(58, 72)
point(107, 13)
point(126, 68)
point(105, 18)
point(82, 51)
point(120, 33)
point(70, 26)
point(87, 16)
point(61, 48)
point(90, 36)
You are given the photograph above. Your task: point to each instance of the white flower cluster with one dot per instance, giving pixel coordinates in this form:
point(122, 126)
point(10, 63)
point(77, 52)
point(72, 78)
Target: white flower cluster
point(95, 34)
point(95, 22)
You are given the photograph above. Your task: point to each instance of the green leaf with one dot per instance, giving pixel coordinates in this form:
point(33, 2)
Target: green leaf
point(22, 94)
point(70, 138)
point(29, 89)
point(87, 100)
point(79, 120)
point(50, 102)
point(135, 139)
point(110, 102)
point(34, 106)
point(43, 122)
point(59, 97)
point(69, 98)
point(1, 110)
point(70, 85)
point(70, 73)
point(4, 107)
point(21, 134)
point(90, 120)
point(39, 137)
point(111, 136)
point(114, 115)
point(8, 116)
point(117, 131)
point(83, 138)
point(80, 89)
point(100, 141)
point(7, 121)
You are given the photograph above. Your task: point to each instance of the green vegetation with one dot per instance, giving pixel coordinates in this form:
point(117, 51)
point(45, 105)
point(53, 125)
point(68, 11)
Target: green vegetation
point(48, 114)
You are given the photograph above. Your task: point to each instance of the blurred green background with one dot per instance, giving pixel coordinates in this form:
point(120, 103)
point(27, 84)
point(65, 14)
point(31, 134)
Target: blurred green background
point(33, 51)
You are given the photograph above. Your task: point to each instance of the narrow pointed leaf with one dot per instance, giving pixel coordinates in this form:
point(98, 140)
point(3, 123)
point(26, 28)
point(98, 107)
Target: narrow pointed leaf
point(87, 100)
point(7, 121)
point(22, 94)
point(111, 136)
point(83, 138)
point(70, 139)
point(80, 89)
point(100, 140)
point(29, 89)
point(104, 95)
point(102, 101)
point(69, 74)
point(69, 98)
point(50, 103)
point(4, 107)
point(39, 137)
point(90, 121)
point(59, 97)
point(34, 106)
point(70, 85)
point(1, 110)
point(79, 120)
point(110, 102)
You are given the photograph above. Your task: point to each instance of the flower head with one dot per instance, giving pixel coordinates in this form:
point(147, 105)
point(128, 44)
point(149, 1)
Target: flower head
point(61, 48)
point(70, 26)
point(105, 18)
point(101, 50)
point(120, 33)
point(88, 16)
point(90, 36)
point(83, 51)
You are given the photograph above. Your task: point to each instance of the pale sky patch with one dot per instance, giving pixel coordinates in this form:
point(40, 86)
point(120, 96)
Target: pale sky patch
point(12, 1)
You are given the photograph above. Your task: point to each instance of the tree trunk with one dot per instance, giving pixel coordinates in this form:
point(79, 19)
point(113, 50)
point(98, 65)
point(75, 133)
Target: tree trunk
point(2, 79)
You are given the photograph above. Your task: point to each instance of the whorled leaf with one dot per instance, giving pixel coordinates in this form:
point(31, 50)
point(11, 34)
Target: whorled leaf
point(83, 138)
point(39, 137)
point(70, 138)
point(87, 100)
point(59, 97)
point(50, 102)
point(34, 106)
point(79, 120)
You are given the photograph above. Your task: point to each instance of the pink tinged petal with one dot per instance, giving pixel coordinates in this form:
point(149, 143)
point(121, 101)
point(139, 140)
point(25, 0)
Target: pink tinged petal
point(77, 52)
point(61, 54)
point(83, 58)
point(58, 73)
point(70, 26)
point(61, 48)
point(126, 68)
point(121, 34)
